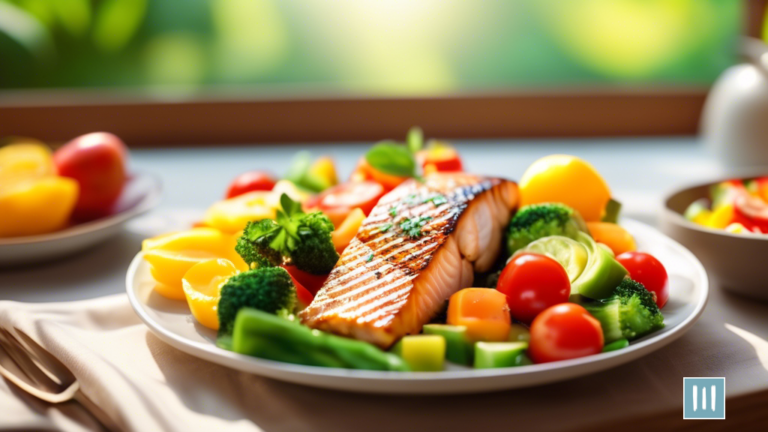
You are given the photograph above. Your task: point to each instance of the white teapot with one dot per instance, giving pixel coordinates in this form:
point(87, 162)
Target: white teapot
point(734, 123)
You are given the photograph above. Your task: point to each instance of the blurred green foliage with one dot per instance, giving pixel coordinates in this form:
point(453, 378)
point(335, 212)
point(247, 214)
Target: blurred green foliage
point(364, 46)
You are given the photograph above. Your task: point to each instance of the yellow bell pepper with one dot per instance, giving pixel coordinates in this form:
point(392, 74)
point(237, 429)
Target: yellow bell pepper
point(568, 180)
point(36, 206)
point(25, 161)
point(32, 199)
point(721, 217)
point(171, 256)
point(231, 215)
point(202, 287)
point(325, 169)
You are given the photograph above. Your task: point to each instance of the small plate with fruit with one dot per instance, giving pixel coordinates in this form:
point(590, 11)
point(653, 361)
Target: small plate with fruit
point(725, 224)
point(53, 204)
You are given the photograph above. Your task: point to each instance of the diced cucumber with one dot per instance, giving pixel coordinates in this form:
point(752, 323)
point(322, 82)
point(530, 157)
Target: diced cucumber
point(490, 355)
point(423, 353)
point(458, 348)
point(519, 333)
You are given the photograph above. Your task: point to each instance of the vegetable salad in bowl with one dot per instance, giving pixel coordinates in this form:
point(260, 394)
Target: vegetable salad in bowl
point(736, 206)
point(414, 265)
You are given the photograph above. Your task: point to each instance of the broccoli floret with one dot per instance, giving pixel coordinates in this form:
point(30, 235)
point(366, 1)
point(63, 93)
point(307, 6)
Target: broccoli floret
point(253, 245)
point(315, 252)
point(296, 237)
point(269, 289)
point(535, 221)
point(631, 312)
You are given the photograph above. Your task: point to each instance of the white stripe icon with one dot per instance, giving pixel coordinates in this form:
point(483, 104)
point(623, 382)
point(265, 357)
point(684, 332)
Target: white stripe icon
point(695, 395)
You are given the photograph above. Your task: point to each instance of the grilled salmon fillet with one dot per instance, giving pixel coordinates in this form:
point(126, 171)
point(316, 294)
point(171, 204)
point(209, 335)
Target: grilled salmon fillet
point(421, 243)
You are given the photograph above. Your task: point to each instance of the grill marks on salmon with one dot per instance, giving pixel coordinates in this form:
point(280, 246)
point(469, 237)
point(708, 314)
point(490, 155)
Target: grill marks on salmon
point(389, 282)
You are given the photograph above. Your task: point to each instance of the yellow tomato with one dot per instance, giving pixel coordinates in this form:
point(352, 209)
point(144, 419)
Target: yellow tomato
point(170, 256)
point(36, 205)
point(202, 287)
point(568, 180)
point(233, 214)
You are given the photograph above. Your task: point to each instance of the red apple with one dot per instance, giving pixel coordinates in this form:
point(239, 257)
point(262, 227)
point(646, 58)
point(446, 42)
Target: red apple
point(97, 161)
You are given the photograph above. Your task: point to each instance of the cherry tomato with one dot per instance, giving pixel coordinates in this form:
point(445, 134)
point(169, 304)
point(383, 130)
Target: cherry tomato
point(97, 161)
point(532, 283)
point(311, 282)
point(249, 182)
point(751, 212)
point(563, 332)
point(440, 158)
point(338, 201)
point(647, 270)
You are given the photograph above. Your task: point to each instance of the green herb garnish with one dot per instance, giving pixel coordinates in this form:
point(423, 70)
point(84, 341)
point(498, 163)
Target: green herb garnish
point(369, 258)
point(437, 200)
point(385, 227)
point(393, 211)
point(412, 227)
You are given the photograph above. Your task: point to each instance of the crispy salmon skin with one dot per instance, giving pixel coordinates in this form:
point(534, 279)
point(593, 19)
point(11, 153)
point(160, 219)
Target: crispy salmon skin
point(421, 243)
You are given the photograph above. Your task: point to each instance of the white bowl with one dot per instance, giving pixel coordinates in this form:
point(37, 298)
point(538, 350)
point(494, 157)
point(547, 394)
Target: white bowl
point(141, 194)
point(170, 320)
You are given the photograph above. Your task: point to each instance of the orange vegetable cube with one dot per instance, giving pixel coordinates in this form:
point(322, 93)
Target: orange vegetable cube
point(483, 311)
point(613, 236)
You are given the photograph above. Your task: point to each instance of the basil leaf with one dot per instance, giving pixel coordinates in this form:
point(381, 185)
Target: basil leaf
point(391, 158)
point(415, 139)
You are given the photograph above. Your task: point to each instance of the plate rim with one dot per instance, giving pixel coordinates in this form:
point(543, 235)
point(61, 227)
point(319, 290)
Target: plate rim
point(211, 352)
point(148, 202)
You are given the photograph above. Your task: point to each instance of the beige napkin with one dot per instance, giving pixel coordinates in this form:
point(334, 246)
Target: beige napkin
point(146, 385)
point(140, 382)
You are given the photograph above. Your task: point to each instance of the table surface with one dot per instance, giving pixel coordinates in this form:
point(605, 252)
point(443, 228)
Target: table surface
point(729, 340)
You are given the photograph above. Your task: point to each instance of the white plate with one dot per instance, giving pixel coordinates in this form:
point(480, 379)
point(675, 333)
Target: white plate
point(171, 321)
point(140, 194)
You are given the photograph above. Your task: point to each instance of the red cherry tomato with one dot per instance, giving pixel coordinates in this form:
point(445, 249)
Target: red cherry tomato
point(97, 161)
point(752, 212)
point(339, 200)
point(563, 332)
point(249, 182)
point(647, 270)
point(441, 158)
point(311, 282)
point(532, 283)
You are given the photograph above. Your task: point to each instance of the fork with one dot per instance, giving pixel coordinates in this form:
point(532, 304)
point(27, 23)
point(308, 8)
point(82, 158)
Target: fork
point(36, 371)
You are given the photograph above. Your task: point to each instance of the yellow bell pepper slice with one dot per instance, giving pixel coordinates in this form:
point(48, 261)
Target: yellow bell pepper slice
point(232, 215)
point(202, 287)
point(25, 160)
point(721, 217)
point(170, 256)
point(36, 206)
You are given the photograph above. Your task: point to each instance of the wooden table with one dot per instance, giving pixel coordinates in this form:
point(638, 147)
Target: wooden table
point(731, 338)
